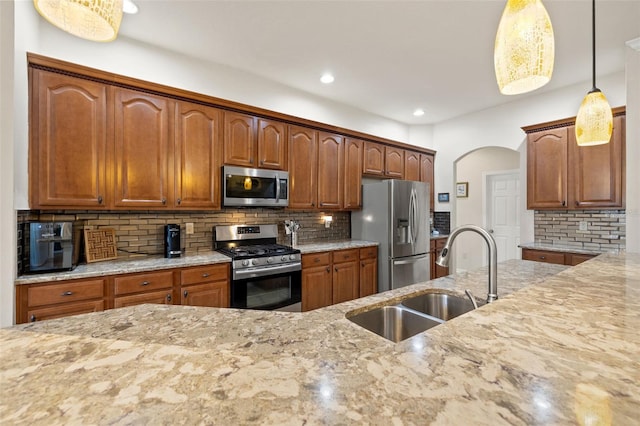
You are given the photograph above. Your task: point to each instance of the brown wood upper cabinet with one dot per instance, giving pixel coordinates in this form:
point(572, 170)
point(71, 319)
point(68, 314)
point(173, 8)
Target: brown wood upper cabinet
point(61, 174)
point(330, 171)
point(303, 163)
point(198, 156)
point(253, 142)
point(384, 161)
point(426, 175)
point(394, 162)
point(353, 159)
point(411, 165)
point(563, 175)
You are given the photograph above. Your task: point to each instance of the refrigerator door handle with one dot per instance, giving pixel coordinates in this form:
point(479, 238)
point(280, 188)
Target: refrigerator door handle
point(413, 259)
point(413, 216)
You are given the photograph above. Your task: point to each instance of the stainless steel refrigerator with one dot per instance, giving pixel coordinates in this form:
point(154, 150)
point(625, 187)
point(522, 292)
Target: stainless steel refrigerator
point(396, 214)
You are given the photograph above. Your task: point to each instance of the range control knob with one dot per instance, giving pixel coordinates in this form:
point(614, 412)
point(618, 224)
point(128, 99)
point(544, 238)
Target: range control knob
point(283, 258)
point(270, 260)
point(292, 257)
point(245, 263)
point(255, 261)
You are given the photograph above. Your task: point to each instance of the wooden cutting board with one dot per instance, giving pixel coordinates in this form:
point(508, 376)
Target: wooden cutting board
point(100, 244)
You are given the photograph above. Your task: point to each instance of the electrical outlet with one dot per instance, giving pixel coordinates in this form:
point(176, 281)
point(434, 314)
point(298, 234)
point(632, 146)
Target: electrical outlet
point(583, 226)
point(189, 227)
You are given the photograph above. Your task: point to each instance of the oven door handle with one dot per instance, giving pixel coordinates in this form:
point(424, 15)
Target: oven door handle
point(263, 272)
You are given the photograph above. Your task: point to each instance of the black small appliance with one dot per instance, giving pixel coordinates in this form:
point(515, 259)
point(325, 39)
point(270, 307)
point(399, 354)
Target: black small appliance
point(172, 241)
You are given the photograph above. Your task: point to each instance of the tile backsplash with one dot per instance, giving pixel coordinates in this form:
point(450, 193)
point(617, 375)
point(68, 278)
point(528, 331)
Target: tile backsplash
point(601, 229)
point(141, 233)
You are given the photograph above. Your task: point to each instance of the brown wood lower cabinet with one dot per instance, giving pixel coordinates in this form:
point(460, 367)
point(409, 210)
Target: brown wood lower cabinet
point(437, 271)
point(205, 286)
point(198, 286)
point(556, 257)
point(338, 276)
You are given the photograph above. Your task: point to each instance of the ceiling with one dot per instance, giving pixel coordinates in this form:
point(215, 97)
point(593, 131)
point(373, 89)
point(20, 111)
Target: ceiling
point(388, 57)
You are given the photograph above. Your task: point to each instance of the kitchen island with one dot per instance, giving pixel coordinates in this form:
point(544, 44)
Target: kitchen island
point(560, 346)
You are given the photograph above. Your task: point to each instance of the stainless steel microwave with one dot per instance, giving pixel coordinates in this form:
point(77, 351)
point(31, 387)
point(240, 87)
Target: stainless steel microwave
point(254, 187)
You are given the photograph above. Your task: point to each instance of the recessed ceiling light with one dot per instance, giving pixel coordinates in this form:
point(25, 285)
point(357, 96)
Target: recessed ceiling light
point(129, 7)
point(418, 112)
point(327, 78)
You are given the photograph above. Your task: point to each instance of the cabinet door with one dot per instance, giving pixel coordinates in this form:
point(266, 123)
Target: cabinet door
point(303, 154)
point(426, 175)
point(547, 169)
point(316, 287)
point(596, 177)
point(197, 156)
point(411, 165)
point(214, 294)
point(352, 173)
point(69, 139)
point(373, 159)
point(441, 271)
point(239, 139)
point(394, 162)
point(368, 277)
point(272, 145)
point(330, 171)
point(346, 281)
point(155, 297)
point(142, 173)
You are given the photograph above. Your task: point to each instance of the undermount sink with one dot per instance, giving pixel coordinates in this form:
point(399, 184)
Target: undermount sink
point(439, 305)
point(394, 323)
point(412, 316)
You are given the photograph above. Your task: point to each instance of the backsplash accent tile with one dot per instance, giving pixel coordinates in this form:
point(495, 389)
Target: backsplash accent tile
point(442, 222)
point(606, 229)
point(141, 233)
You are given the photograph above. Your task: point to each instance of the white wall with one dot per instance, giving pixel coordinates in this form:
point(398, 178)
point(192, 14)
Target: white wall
point(469, 248)
point(633, 145)
point(7, 212)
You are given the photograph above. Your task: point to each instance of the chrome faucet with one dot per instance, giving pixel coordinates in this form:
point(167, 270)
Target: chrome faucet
point(443, 259)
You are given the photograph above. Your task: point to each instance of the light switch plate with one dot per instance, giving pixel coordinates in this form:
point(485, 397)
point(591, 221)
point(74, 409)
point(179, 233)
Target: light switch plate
point(189, 227)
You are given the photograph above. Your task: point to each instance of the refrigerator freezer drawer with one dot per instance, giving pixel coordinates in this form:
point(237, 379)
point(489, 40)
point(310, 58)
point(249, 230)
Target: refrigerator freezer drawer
point(410, 270)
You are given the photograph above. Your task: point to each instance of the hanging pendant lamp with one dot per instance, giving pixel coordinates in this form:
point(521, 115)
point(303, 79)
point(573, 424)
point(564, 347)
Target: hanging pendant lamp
point(594, 122)
point(96, 20)
point(524, 48)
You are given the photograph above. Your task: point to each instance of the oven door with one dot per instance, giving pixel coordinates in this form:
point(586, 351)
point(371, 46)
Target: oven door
point(255, 187)
point(277, 291)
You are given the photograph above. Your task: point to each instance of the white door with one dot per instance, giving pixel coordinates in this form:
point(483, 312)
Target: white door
point(503, 213)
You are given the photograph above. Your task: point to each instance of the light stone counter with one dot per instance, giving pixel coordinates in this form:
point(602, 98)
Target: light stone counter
point(560, 346)
point(152, 263)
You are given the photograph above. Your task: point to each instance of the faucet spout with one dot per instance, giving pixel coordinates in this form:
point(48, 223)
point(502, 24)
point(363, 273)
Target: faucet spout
point(443, 259)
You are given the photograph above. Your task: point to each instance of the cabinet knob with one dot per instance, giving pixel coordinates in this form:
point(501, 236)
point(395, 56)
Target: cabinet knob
point(564, 203)
point(362, 264)
point(262, 162)
point(313, 204)
point(179, 201)
point(577, 203)
point(99, 199)
point(250, 160)
point(169, 297)
point(205, 275)
point(336, 269)
point(328, 269)
point(32, 318)
point(542, 257)
point(67, 293)
point(164, 200)
point(144, 283)
point(186, 293)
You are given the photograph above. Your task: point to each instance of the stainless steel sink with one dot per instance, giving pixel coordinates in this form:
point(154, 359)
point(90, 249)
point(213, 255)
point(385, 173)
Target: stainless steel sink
point(439, 305)
point(394, 322)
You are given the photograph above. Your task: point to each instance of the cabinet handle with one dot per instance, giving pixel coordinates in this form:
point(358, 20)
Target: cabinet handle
point(168, 297)
point(179, 201)
point(316, 260)
point(67, 293)
point(205, 275)
point(542, 257)
point(99, 199)
point(336, 269)
point(143, 283)
point(164, 200)
point(32, 318)
point(186, 293)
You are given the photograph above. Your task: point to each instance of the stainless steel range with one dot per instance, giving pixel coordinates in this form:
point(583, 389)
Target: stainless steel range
point(265, 275)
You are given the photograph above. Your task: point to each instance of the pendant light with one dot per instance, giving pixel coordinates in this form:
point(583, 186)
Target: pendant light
point(594, 122)
point(96, 20)
point(524, 47)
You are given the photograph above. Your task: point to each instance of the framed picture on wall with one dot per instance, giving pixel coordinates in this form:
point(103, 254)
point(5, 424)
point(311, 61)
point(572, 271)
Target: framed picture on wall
point(462, 189)
point(443, 197)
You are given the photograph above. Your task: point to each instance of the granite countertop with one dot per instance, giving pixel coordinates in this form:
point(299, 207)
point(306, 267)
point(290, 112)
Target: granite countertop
point(560, 346)
point(565, 248)
point(149, 263)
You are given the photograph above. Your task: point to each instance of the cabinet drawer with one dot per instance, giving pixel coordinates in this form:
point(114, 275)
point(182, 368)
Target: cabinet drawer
point(576, 259)
point(71, 291)
point(368, 252)
point(345, 255)
point(316, 259)
point(543, 256)
point(204, 274)
point(65, 310)
point(158, 297)
point(142, 282)
point(440, 243)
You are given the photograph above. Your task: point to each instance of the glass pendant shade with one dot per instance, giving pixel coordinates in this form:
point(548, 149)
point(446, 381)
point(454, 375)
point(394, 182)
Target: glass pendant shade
point(524, 48)
point(96, 20)
point(594, 122)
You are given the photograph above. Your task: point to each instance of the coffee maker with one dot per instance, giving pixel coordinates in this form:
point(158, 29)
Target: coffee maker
point(172, 241)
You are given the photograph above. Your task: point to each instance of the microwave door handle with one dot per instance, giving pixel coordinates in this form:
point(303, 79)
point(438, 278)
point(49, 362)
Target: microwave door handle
point(277, 188)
